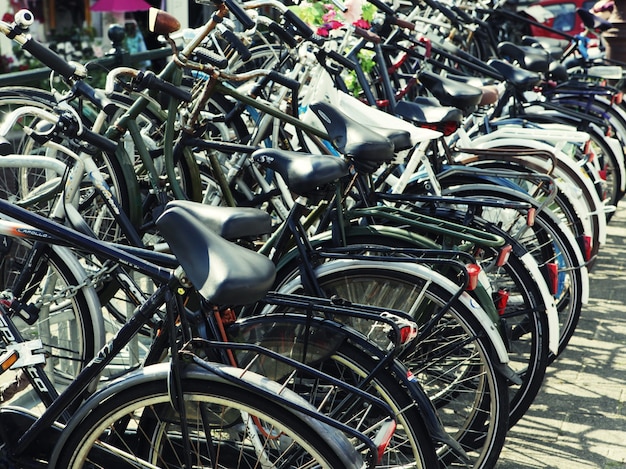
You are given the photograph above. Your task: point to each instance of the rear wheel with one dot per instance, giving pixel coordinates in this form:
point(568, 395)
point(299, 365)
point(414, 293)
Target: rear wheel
point(453, 357)
point(227, 427)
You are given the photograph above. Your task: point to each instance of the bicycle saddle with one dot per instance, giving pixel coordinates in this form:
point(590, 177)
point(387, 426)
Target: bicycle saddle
point(303, 173)
point(555, 47)
point(518, 77)
point(222, 272)
point(451, 92)
point(228, 222)
point(366, 148)
point(428, 112)
point(529, 58)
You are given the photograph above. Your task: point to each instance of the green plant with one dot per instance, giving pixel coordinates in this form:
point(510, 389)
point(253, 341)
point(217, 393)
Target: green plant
point(328, 21)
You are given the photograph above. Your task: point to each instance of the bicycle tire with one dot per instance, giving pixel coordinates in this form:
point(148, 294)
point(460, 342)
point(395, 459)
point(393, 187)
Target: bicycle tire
point(64, 323)
point(226, 407)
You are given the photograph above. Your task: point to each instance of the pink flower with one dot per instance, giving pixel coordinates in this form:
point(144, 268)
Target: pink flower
point(361, 23)
point(330, 16)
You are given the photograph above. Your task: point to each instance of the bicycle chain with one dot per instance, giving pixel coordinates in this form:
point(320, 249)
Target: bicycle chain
point(91, 280)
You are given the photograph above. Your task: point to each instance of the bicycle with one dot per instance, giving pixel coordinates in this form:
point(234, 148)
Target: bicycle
point(148, 386)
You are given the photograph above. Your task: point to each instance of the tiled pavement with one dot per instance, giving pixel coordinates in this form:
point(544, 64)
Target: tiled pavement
point(578, 420)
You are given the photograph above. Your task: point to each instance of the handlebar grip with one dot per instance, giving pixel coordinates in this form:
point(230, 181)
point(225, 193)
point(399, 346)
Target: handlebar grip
point(49, 58)
point(443, 10)
point(404, 24)
point(204, 56)
point(367, 35)
point(342, 60)
point(98, 141)
point(153, 82)
point(297, 23)
point(234, 41)
point(96, 96)
point(283, 80)
point(283, 34)
point(240, 14)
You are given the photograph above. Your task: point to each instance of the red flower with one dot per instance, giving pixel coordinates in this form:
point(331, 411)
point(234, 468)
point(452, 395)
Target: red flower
point(335, 24)
point(321, 31)
point(362, 24)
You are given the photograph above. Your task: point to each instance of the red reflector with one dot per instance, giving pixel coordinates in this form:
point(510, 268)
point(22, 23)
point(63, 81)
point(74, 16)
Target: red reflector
point(503, 256)
point(407, 334)
point(553, 277)
point(587, 247)
point(383, 437)
point(448, 128)
point(472, 272)
point(502, 299)
point(617, 98)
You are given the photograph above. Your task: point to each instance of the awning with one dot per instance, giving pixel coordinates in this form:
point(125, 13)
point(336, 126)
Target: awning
point(120, 5)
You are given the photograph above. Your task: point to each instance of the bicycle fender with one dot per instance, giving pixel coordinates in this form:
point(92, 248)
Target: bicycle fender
point(211, 373)
point(548, 301)
point(420, 271)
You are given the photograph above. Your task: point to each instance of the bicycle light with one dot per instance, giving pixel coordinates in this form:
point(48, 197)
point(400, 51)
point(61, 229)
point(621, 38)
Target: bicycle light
point(24, 19)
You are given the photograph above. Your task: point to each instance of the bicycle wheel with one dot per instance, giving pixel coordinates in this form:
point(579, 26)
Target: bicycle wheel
point(549, 242)
point(38, 188)
point(324, 346)
point(465, 382)
point(46, 302)
point(227, 427)
point(521, 318)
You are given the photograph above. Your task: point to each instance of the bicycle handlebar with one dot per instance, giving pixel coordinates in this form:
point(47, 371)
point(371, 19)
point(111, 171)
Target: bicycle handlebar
point(236, 9)
point(17, 32)
point(67, 122)
point(151, 81)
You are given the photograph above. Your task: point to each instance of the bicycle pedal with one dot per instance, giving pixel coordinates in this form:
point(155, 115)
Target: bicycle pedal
point(28, 353)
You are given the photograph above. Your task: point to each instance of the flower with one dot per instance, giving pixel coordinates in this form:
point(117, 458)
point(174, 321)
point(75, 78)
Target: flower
point(354, 11)
point(324, 17)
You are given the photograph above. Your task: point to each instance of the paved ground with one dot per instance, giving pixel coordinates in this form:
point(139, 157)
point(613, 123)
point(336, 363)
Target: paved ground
point(579, 418)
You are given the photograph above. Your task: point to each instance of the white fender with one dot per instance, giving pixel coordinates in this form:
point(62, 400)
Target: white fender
point(422, 272)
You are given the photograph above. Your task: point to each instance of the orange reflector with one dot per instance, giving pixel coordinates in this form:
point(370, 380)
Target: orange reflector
point(7, 360)
point(472, 272)
point(503, 256)
point(530, 216)
point(502, 299)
